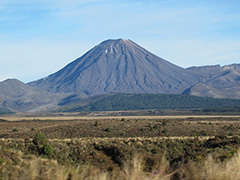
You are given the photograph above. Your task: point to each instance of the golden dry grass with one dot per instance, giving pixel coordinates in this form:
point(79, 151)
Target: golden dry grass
point(16, 165)
point(33, 168)
point(134, 169)
point(212, 169)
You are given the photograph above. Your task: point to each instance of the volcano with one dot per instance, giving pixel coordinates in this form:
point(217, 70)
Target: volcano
point(118, 66)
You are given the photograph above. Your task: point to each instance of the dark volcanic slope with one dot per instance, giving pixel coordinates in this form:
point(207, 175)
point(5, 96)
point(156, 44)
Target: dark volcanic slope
point(118, 66)
point(18, 96)
point(116, 102)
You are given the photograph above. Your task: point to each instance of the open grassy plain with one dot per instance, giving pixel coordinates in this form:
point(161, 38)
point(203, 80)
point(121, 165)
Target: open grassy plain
point(120, 147)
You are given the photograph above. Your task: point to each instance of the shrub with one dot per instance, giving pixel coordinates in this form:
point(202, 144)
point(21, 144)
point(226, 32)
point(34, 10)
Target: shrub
point(164, 123)
point(122, 134)
point(96, 124)
point(193, 134)
point(123, 119)
point(48, 150)
point(230, 134)
point(150, 127)
point(204, 133)
point(39, 139)
point(15, 130)
point(165, 131)
point(108, 130)
point(155, 126)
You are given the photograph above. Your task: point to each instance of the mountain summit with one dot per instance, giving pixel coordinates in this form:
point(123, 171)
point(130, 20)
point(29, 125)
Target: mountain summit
point(118, 66)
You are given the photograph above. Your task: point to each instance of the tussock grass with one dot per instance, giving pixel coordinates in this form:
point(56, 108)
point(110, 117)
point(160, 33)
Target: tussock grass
point(138, 168)
point(140, 158)
point(16, 165)
point(214, 169)
point(32, 168)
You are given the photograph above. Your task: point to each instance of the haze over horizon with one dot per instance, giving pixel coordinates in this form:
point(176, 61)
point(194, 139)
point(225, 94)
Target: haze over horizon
point(40, 37)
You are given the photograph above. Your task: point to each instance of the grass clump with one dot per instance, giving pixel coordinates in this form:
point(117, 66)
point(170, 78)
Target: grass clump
point(213, 169)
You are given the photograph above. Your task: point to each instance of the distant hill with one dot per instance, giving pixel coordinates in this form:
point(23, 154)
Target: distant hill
point(4, 111)
point(17, 96)
point(149, 101)
point(220, 82)
point(119, 66)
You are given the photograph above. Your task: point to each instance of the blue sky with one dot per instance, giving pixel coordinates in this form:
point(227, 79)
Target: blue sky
point(39, 37)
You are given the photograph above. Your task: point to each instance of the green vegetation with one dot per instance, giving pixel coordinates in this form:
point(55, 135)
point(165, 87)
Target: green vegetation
point(123, 119)
point(108, 129)
point(164, 123)
point(39, 139)
point(96, 124)
point(154, 101)
point(41, 145)
point(48, 150)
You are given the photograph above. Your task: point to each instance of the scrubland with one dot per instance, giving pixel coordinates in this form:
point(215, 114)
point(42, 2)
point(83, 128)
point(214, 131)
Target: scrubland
point(60, 128)
point(193, 148)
